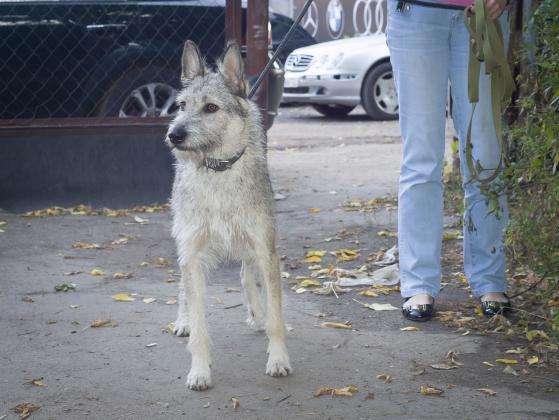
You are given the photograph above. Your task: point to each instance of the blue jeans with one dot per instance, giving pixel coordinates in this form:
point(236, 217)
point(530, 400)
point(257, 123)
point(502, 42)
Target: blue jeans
point(428, 49)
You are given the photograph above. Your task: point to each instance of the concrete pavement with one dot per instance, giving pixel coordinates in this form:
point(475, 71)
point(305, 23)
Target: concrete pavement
point(117, 372)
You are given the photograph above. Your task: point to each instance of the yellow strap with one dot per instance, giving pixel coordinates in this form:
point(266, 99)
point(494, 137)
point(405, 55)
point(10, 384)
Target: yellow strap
point(487, 45)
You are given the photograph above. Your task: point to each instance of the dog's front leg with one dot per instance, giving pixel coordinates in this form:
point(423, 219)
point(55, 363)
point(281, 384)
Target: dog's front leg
point(199, 343)
point(278, 359)
point(181, 326)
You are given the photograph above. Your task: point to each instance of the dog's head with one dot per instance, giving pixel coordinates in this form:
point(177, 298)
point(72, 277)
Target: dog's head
point(213, 107)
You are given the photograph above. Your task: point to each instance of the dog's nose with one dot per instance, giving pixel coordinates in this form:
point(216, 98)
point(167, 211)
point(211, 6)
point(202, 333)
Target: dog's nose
point(177, 135)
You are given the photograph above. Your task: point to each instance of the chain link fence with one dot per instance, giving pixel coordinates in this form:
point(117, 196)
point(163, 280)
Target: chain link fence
point(99, 58)
point(61, 59)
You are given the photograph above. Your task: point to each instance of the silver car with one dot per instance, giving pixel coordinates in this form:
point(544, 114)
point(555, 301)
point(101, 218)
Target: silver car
point(337, 76)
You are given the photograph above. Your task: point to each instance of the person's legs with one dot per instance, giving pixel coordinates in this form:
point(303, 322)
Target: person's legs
point(484, 255)
point(418, 39)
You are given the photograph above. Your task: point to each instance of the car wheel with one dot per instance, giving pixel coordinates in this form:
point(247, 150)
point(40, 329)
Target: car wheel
point(144, 92)
point(333, 110)
point(378, 93)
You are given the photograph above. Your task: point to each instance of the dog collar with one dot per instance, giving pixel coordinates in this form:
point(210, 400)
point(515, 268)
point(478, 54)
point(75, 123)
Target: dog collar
point(220, 165)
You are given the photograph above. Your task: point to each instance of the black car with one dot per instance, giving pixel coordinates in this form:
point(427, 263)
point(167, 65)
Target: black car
point(106, 58)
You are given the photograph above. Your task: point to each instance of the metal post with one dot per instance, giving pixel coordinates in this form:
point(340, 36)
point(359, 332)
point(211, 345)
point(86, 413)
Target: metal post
point(233, 21)
point(257, 49)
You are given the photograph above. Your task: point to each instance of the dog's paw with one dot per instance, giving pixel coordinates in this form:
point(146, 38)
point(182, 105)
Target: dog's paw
point(254, 324)
point(181, 327)
point(199, 379)
point(278, 366)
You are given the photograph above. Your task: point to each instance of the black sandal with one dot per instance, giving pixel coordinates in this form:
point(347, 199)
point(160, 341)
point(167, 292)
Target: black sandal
point(490, 308)
point(418, 313)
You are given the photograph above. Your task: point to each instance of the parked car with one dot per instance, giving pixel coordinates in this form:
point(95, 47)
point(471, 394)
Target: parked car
point(337, 76)
point(75, 58)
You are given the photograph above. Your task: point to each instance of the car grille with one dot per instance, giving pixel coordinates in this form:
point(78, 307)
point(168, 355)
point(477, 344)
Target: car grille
point(296, 90)
point(298, 62)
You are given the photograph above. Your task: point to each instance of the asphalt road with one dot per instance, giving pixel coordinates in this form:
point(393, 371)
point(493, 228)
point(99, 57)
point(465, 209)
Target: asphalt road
point(117, 372)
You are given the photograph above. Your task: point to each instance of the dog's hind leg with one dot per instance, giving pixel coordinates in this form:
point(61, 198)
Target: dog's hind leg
point(252, 295)
point(199, 342)
point(278, 359)
point(181, 326)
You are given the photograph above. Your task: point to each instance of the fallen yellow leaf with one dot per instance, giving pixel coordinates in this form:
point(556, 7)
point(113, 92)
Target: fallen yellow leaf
point(347, 391)
point(346, 254)
point(533, 360)
point(533, 334)
point(314, 256)
point(368, 293)
point(385, 377)
point(25, 409)
point(123, 297)
point(310, 283)
point(314, 210)
point(430, 390)
point(487, 391)
point(507, 361)
point(37, 382)
point(97, 272)
point(98, 323)
point(120, 275)
point(337, 325)
point(86, 245)
point(162, 262)
point(410, 329)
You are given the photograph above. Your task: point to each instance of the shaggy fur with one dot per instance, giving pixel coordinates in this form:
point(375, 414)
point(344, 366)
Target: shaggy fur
point(223, 215)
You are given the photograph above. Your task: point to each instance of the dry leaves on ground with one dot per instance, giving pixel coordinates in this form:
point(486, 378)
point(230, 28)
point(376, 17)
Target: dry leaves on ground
point(64, 287)
point(345, 255)
point(235, 403)
point(385, 377)
point(336, 325)
point(410, 329)
point(97, 272)
point(430, 391)
point(119, 275)
point(487, 391)
point(123, 297)
point(86, 245)
point(98, 323)
point(36, 382)
point(347, 391)
point(25, 409)
point(314, 256)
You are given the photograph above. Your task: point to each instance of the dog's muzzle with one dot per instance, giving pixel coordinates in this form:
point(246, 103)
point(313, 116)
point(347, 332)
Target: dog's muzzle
point(177, 135)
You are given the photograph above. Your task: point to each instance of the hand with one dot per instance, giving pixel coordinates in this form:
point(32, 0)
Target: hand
point(494, 8)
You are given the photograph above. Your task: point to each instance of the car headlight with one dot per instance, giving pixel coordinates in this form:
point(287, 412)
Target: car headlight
point(328, 61)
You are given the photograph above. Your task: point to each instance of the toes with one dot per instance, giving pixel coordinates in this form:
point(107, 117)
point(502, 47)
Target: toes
point(277, 368)
point(181, 328)
point(198, 381)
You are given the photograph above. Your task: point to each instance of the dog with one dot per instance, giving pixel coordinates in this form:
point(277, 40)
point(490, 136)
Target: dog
point(222, 205)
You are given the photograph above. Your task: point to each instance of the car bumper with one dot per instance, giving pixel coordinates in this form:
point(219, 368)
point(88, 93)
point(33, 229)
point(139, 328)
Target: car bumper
point(333, 87)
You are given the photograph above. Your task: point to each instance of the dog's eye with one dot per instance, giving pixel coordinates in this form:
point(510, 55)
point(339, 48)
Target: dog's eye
point(182, 105)
point(211, 108)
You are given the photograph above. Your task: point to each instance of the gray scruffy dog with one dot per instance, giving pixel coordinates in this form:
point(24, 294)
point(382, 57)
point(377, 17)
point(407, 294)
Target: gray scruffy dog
point(223, 206)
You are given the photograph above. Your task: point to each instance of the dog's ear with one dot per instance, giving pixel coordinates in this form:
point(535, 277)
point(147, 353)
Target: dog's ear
point(192, 62)
point(232, 69)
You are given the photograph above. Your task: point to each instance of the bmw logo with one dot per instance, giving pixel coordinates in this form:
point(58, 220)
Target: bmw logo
point(335, 17)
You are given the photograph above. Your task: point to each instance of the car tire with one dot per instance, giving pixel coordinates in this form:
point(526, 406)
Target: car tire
point(333, 110)
point(154, 84)
point(380, 105)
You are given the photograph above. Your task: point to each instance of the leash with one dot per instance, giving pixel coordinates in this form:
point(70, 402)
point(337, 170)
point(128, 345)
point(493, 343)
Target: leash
point(279, 49)
point(487, 45)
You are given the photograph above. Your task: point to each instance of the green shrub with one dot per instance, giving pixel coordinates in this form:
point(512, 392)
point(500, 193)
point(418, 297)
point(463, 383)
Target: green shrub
point(532, 176)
